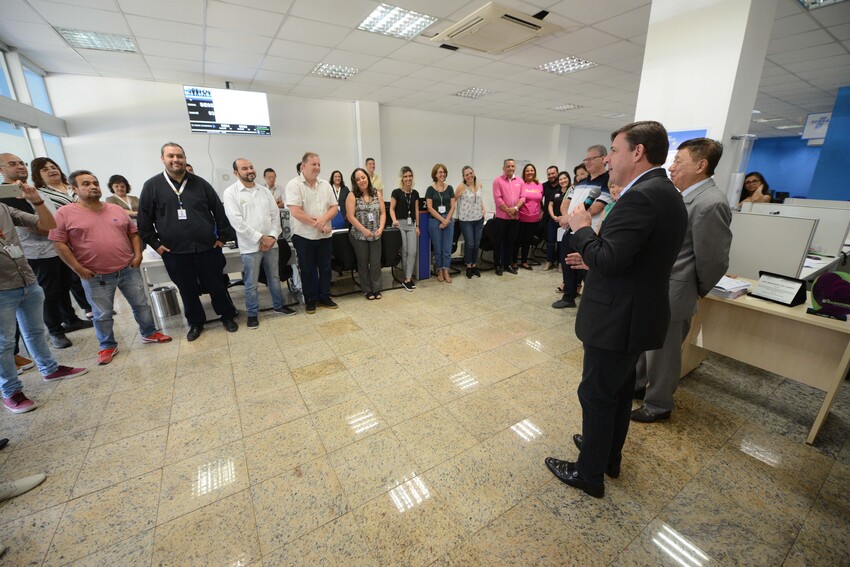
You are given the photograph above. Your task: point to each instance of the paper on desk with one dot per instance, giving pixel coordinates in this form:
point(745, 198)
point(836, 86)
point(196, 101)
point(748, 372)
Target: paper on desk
point(729, 288)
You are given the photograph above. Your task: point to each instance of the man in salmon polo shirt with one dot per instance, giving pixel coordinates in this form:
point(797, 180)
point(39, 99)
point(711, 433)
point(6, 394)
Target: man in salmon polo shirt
point(100, 243)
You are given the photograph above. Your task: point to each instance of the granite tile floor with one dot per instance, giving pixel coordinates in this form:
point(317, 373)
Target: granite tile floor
point(409, 431)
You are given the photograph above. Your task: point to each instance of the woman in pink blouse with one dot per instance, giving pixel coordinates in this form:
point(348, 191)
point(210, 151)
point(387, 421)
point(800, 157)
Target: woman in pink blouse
point(530, 213)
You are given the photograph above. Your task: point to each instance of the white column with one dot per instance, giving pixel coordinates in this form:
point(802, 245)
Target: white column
point(702, 67)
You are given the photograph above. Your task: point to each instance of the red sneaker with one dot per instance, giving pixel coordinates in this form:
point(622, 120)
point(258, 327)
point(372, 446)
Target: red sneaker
point(64, 372)
point(106, 355)
point(156, 337)
point(18, 403)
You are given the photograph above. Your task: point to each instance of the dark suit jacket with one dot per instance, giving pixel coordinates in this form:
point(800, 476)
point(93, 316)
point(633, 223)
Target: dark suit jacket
point(625, 305)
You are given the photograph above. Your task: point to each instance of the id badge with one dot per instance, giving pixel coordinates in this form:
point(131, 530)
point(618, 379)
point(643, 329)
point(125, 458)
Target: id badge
point(371, 217)
point(441, 209)
point(409, 221)
point(15, 251)
point(181, 214)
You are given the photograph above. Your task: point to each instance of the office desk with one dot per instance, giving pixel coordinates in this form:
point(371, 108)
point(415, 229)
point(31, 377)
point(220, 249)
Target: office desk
point(786, 341)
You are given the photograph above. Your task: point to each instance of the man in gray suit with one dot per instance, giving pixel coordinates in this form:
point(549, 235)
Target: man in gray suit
point(702, 261)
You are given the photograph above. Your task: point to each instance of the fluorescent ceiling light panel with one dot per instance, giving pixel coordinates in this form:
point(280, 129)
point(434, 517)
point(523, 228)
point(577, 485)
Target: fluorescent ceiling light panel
point(763, 120)
point(791, 127)
point(395, 21)
point(80, 39)
point(563, 107)
point(473, 92)
point(334, 71)
point(566, 65)
point(614, 115)
point(812, 4)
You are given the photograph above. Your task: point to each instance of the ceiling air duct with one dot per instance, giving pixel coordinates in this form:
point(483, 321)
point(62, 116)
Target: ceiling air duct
point(494, 29)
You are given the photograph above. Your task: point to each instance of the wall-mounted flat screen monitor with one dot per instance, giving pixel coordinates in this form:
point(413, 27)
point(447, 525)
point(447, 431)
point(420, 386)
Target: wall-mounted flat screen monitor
point(227, 111)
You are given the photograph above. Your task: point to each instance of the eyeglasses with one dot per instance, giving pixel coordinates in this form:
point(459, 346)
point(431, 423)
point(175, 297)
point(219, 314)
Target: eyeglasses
point(588, 160)
point(751, 181)
point(16, 164)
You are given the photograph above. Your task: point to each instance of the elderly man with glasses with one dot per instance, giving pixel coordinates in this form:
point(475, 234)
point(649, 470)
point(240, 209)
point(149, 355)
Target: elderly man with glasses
point(598, 180)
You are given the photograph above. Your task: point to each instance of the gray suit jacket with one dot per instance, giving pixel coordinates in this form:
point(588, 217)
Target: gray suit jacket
point(704, 256)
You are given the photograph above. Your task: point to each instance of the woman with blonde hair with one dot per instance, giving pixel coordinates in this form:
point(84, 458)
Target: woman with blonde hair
point(470, 217)
point(404, 211)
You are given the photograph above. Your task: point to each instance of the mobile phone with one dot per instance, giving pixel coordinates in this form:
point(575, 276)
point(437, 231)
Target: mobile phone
point(10, 190)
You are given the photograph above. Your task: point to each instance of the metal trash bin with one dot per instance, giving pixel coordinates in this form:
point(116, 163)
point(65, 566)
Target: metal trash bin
point(165, 302)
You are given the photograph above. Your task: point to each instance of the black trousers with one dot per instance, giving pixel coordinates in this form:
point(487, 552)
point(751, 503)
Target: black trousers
point(605, 392)
point(504, 240)
point(572, 278)
point(314, 262)
point(54, 277)
point(193, 271)
point(525, 234)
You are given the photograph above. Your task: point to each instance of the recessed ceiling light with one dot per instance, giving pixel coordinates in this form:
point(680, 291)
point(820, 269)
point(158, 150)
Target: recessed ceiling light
point(562, 107)
point(812, 4)
point(80, 39)
point(566, 65)
point(614, 115)
point(790, 127)
point(756, 111)
point(395, 21)
point(334, 71)
point(473, 92)
point(763, 120)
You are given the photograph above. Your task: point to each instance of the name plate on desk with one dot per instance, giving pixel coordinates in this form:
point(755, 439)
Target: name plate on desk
point(780, 289)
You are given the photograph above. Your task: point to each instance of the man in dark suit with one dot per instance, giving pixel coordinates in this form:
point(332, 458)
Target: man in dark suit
point(702, 261)
point(625, 308)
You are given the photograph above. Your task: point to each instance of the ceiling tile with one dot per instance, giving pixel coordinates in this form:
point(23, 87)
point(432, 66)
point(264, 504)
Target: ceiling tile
point(190, 11)
point(165, 30)
point(832, 15)
point(173, 49)
point(348, 14)
point(580, 41)
point(286, 65)
point(20, 11)
point(275, 77)
point(371, 43)
point(89, 19)
point(313, 33)
point(349, 59)
point(231, 39)
point(221, 15)
point(798, 41)
point(808, 54)
point(626, 25)
point(171, 64)
point(593, 11)
point(418, 53)
point(293, 50)
point(231, 57)
point(228, 72)
point(278, 6)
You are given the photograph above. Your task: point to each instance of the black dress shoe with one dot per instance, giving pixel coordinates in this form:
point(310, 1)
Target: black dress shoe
point(498, 270)
point(566, 472)
point(643, 415)
point(639, 394)
point(194, 332)
point(76, 325)
point(610, 470)
point(512, 270)
point(476, 272)
point(469, 273)
point(230, 325)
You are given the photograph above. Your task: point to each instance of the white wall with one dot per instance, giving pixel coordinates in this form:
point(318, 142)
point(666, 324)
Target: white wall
point(118, 126)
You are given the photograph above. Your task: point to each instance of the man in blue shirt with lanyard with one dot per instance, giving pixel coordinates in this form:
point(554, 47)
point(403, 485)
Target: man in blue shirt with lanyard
point(182, 218)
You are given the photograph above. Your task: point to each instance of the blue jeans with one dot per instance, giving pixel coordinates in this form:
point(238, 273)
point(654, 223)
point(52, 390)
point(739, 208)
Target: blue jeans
point(26, 304)
point(471, 240)
point(100, 291)
point(251, 274)
point(441, 241)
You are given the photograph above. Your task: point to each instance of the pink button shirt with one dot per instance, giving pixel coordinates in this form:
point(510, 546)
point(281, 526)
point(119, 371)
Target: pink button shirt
point(99, 240)
point(506, 192)
point(532, 194)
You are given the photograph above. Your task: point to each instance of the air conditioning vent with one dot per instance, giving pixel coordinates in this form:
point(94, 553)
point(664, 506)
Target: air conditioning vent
point(495, 29)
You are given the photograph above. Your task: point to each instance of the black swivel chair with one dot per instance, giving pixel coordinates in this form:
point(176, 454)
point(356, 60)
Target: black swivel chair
point(391, 253)
point(343, 259)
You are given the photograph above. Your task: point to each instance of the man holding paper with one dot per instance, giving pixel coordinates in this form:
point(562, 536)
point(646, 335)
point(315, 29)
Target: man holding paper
point(701, 263)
